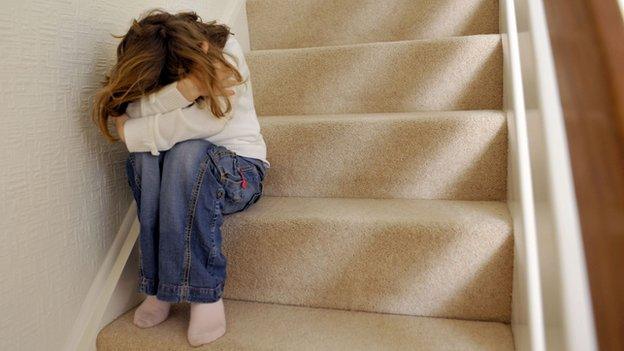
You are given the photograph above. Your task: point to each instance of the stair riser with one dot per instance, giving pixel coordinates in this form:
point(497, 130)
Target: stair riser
point(461, 156)
point(364, 21)
point(446, 74)
point(436, 268)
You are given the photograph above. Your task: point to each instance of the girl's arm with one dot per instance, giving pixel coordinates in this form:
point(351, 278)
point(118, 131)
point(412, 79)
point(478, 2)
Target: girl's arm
point(175, 95)
point(165, 127)
point(164, 118)
point(160, 131)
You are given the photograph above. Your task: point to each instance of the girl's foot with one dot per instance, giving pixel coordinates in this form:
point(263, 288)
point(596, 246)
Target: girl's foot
point(151, 312)
point(207, 322)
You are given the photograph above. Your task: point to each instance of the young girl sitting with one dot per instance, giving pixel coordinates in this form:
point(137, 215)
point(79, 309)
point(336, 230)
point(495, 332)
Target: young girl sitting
point(181, 99)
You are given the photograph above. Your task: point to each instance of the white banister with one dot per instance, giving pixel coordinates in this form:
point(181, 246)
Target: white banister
point(551, 304)
point(527, 318)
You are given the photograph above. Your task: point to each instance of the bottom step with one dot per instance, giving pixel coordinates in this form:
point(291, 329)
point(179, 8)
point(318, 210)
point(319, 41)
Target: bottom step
point(259, 326)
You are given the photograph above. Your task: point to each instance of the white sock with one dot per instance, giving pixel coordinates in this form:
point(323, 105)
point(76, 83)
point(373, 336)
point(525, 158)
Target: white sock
point(207, 322)
point(151, 312)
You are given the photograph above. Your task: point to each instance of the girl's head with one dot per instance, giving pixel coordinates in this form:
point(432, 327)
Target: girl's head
point(161, 48)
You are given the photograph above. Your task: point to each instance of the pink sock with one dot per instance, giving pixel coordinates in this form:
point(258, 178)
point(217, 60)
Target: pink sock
point(151, 312)
point(207, 322)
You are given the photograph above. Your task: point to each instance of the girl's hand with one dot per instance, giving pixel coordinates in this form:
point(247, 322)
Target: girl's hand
point(188, 88)
point(191, 88)
point(119, 124)
point(226, 79)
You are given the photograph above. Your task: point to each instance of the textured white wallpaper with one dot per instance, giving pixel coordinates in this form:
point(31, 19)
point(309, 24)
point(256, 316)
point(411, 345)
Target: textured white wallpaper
point(62, 186)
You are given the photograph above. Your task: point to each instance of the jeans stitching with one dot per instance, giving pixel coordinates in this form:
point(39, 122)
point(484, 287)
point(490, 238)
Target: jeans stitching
point(137, 179)
point(253, 200)
point(141, 271)
point(190, 218)
point(174, 292)
point(212, 246)
point(225, 179)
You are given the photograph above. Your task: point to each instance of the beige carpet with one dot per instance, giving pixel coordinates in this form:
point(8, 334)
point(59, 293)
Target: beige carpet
point(384, 255)
point(305, 23)
point(462, 73)
point(384, 224)
point(458, 155)
point(255, 326)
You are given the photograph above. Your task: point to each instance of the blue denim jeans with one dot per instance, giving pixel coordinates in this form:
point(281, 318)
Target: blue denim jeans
point(182, 195)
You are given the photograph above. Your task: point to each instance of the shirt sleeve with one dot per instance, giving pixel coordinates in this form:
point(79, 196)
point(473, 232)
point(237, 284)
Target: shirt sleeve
point(166, 99)
point(237, 57)
point(160, 131)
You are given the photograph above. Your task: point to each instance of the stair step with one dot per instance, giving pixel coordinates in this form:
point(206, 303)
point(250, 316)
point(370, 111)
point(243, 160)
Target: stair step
point(459, 73)
point(415, 257)
point(460, 155)
point(364, 21)
point(258, 326)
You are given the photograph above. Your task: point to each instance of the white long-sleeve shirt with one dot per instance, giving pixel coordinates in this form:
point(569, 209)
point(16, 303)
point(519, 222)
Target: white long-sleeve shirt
point(162, 119)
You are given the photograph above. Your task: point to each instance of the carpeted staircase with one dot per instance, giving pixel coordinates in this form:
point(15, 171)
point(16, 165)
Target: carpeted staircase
point(383, 225)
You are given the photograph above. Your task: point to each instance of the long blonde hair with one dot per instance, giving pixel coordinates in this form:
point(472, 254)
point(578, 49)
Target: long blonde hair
point(158, 49)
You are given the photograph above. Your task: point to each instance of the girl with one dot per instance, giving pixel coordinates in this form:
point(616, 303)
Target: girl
point(182, 102)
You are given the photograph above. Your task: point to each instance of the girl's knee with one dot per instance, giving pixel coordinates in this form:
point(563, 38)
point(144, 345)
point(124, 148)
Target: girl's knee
point(140, 162)
point(185, 158)
point(189, 147)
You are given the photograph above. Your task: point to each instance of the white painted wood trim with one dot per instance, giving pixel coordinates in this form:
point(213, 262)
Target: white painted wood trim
point(110, 296)
point(569, 326)
point(566, 314)
point(87, 325)
point(527, 319)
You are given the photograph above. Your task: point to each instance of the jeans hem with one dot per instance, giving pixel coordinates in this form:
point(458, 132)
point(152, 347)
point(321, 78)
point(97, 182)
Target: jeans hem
point(180, 293)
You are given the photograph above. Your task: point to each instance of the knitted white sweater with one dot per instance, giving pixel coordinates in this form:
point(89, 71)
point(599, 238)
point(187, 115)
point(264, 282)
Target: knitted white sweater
point(164, 118)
